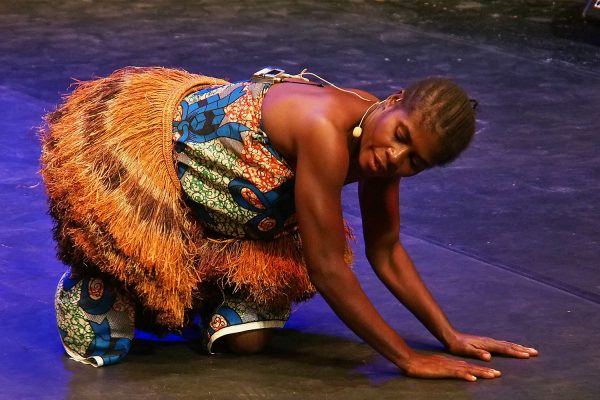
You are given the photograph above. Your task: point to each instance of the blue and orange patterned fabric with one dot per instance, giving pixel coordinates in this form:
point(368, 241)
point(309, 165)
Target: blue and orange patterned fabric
point(239, 186)
point(95, 319)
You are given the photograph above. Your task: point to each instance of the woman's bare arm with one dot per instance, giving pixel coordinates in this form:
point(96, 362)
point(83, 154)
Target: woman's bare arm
point(379, 199)
point(381, 225)
point(320, 173)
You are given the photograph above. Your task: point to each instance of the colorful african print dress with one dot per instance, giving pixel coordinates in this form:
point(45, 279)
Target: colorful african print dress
point(239, 186)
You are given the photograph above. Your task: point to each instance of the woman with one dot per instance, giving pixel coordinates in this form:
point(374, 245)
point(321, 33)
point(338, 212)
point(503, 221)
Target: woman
point(250, 218)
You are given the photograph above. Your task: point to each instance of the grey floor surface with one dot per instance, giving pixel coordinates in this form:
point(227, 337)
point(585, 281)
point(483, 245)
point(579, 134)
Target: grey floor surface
point(506, 237)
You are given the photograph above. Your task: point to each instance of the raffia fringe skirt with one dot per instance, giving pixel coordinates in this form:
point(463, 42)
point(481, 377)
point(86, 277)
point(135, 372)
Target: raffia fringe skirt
point(118, 206)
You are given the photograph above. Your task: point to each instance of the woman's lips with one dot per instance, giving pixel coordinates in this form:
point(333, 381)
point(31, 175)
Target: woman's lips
point(377, 163)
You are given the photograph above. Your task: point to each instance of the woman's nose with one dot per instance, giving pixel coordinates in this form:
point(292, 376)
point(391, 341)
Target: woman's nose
point(396, 154)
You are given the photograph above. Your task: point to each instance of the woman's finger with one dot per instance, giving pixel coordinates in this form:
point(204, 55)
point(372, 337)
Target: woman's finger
point(484, 355)
point(471, 372)
point(479, 353)
point(486, 373)
point(511, 349)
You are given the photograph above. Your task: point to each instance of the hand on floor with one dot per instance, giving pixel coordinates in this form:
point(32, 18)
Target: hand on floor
point(437, 366)
point(481, 347)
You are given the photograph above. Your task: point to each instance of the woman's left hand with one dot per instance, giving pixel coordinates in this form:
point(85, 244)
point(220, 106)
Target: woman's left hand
point(481, 347)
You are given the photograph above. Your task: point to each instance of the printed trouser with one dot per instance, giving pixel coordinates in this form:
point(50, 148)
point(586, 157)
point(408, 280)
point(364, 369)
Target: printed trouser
point(234, 316)
point(95, 319)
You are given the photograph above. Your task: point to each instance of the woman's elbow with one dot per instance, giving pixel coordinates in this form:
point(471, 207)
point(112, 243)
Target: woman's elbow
point(324, 274)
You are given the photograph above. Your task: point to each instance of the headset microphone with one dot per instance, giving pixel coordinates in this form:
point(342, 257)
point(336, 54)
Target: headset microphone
point(357, 131)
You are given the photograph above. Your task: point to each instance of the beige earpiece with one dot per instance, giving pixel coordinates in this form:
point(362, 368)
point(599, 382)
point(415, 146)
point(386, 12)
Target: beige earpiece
point(357, 131)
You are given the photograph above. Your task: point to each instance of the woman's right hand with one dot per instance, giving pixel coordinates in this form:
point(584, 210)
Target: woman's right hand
point(437, 366)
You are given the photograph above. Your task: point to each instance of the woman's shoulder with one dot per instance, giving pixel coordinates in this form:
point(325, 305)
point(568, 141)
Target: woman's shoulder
point(293, 114)
point(302, 107)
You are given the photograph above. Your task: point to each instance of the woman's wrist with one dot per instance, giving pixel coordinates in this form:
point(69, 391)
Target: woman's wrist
point(448, 337)
point(405, 359)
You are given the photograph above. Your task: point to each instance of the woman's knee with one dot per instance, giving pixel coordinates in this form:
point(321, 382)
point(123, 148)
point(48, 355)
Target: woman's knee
point(249, 342)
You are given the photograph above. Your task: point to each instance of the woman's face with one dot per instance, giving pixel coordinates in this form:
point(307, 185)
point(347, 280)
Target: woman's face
point(395, 144)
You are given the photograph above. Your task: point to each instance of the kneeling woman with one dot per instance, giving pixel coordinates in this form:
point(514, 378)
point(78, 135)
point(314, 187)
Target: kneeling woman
point(176, 193)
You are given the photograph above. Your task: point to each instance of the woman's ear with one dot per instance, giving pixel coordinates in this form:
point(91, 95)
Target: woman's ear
point(396, 97)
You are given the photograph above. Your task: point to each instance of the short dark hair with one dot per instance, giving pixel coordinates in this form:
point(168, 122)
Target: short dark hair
point(445, 110)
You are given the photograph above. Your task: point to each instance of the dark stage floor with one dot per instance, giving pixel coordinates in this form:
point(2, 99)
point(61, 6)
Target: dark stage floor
point(506, 237)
